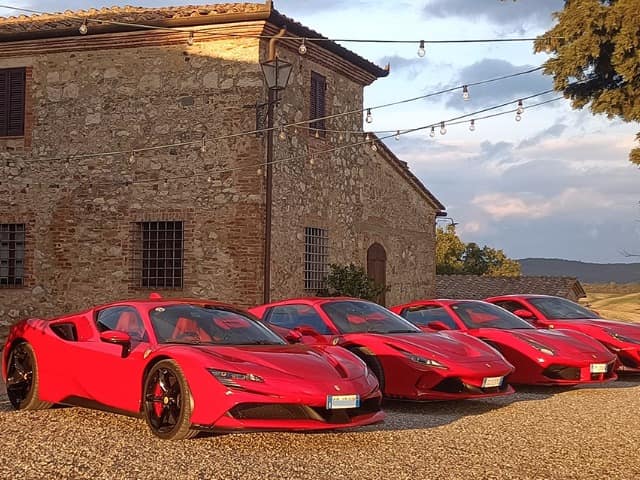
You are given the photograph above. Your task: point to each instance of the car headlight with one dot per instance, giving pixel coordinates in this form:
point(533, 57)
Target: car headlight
point(621, 338)
point(230, 379)
point(540, 347)
point(427, 362)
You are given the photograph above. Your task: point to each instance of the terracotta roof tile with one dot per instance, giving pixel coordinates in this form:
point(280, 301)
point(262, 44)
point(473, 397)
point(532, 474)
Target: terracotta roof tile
point(479, 287)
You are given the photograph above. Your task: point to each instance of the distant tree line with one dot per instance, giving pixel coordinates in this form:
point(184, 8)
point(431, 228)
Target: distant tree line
point(453, 256)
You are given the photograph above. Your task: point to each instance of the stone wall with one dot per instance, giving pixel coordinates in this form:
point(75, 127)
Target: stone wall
point(79, 210)
point(355, 193)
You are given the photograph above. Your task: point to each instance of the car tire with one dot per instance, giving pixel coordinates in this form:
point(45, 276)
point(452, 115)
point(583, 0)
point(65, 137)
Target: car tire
point(372, 363)
point(23, 379)
point(167, 402)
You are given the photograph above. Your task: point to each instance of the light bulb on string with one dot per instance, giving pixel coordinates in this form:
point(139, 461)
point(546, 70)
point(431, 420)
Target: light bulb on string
point(259, 171)
point(433, 132)
point(302, 49)
point(83, 29)
point(367, 138)
point(397, 135)
point(132, 157)
point(312, 161)
point(472, 125)
point(282, 134)
point(465, 93)
point(518, 117)
point(203, 146)
point(369, 116)
point(340, 137)
point(520, 109)
point(374, 147)
point(443, 129)
point(209, 179)
point(190, 39)
point(421, 49)
point(317, 135)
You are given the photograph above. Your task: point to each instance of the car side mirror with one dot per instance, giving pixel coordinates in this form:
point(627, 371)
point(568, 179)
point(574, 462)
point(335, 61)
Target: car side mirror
point(311, 334)
point(438, 326)
point(524, 314)
point(293, 336)
point(117, 338)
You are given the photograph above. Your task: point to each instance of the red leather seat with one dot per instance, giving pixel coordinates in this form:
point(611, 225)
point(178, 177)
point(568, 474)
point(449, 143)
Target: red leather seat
point(130, 323)
point(188, 327)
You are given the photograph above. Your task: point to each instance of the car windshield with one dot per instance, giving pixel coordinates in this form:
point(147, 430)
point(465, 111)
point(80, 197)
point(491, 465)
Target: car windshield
point(208, 324)
point(560, 308)
point(365, 317)
point(486, 315)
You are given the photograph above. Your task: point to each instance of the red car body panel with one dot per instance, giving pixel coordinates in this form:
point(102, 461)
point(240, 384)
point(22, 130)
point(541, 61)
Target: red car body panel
point(88, 369)
point(468, 360)
point(570, 363)
point(626, 345)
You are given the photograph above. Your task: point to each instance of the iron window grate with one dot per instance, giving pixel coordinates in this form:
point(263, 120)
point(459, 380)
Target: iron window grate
point(12, 243)
point(159, 254)
point(316, 258)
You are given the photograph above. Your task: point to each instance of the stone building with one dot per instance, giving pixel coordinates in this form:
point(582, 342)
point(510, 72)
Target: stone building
point(123, 170)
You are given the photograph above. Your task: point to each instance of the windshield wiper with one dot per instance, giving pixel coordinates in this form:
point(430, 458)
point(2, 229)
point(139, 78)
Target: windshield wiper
point(403, 331)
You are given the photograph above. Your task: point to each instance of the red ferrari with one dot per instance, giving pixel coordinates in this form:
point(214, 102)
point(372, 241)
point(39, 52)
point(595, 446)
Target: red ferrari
point(186, 365)
point(544, 311)
point(409, 364)
point(541, 357)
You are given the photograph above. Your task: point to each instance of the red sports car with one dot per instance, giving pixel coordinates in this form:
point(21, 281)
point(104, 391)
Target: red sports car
point(541, 357)
point(409, 364)
point(544, 311)
point(186, 365)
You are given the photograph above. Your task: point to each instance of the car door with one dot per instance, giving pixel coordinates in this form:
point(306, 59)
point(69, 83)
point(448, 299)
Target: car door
point(109, 373)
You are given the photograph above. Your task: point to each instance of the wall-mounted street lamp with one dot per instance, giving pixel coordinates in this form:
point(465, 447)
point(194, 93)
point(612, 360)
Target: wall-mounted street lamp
point(276, 76)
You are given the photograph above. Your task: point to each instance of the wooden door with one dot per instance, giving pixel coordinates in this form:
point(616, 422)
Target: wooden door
point(377, 268)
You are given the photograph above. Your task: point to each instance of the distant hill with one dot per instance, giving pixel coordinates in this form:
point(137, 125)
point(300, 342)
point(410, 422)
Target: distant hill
point(585, 272)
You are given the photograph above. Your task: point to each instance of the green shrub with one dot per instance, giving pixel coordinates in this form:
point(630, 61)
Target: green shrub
point(351, 281)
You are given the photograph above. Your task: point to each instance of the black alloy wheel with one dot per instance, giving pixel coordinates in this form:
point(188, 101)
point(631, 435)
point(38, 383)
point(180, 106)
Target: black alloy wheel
point(22, 379)
point(167, 402)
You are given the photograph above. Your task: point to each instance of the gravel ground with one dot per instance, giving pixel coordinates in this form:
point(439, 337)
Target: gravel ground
point(540, 433)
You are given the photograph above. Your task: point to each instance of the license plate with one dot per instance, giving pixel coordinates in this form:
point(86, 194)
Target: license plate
point(335, 402)
point(598, 368)
point(490, 382)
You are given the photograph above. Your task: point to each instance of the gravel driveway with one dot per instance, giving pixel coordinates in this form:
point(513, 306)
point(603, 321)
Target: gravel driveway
point(540, 433)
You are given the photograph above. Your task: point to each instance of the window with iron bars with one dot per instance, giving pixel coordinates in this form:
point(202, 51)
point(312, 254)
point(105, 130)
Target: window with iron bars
point(316, 258)
point(158, 256)
point(12, 241)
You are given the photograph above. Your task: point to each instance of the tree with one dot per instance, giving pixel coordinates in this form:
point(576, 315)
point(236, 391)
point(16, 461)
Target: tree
point(351, 281)
point(453, 256)
point(449, 251)
point(596, 58)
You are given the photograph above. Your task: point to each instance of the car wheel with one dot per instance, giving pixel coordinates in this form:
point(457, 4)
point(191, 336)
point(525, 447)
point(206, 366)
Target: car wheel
point(167, 402)
point(23, 379)
point(372, 363)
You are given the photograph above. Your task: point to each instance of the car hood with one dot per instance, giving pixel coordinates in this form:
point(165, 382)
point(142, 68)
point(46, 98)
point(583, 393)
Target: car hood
point(565, 341)
point(453, 346)
point(309, 362)
point(631, 330)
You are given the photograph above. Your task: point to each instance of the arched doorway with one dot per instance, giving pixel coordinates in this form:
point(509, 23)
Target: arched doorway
point(377, 268)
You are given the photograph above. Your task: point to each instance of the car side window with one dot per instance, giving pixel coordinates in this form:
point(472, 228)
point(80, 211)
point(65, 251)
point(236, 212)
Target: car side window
point(430, 313)
point(293, 316)
point(122, 319)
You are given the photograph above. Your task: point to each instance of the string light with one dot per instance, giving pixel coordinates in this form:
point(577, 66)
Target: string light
point(421, 49)
point(203, 147)
point(472, 125)
point(132, 157)
point(191, 38)
point(443, 129)
point(374, 147)
point(433, 132)
point(282, 135)
point(518, 117)
point(465, 92)
point(302, 49)
point(520, 107)
point(213, 32)
point(317, 135)
point(397, 136)
point(369, 116)
point(83, 29)
point(259, 171)
point(312, 162)
point(367, 138)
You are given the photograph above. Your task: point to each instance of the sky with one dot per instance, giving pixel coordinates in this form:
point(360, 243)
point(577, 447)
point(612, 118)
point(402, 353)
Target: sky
point(557, 184)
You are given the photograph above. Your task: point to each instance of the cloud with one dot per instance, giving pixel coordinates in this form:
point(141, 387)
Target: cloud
point(410, 66)
point(520, 13)
point(500, 91)
point(554, 130)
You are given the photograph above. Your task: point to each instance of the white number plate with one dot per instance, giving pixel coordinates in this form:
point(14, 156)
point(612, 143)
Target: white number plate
point(598, 368)
point(335, 402)
point(490, 382)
